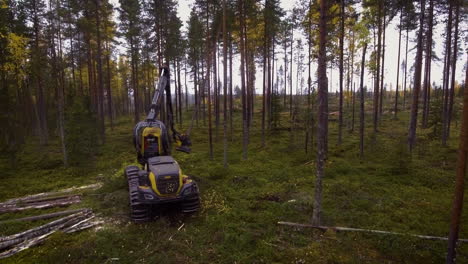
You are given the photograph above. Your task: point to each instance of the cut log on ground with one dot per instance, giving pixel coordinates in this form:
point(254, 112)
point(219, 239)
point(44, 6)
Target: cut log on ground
point(8, 241)
point(25, 245)
point(86, 225)
point(40, 204)
point(43, 216)
point(350, 229)
point(52, 194)
point(24, 240)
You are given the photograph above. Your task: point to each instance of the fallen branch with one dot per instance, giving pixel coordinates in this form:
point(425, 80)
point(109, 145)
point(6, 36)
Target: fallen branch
point(85, 225)
point(78, 223)
point(25, 245)
point(49, 194)
point(40, 230)
point(350, 229)
point(44, 216)
point(29, 238)
point(68, 200)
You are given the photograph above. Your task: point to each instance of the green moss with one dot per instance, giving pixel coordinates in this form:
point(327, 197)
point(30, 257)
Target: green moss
point(387, 190)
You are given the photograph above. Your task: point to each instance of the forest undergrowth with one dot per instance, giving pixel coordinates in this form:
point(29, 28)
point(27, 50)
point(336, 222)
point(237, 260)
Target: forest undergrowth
point(387, 190)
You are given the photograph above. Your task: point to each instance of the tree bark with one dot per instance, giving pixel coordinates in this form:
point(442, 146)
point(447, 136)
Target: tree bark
point(457, 205)
point(417, 81)
point(361, 113)
point(225, 58)
point(454, 66)
point(100, 74)
point(264, 82)
point(243, 88)
point(382, 73)
point(340, 111)
point(207, 83)
point(395, 110)
point(377, 73)
point(231, 107)
point(406, 69)
point(109, 90)
point(322, 113)
point(427, 66)
point(37, 77)
point(448, 46)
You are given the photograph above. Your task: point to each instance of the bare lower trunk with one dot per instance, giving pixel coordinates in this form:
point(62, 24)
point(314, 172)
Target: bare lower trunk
point(361, 112)
point(448, 46)
point(225, 142)
point(460, 179)
point(395, 110)
point(322, 114)
point(406, 70)
point(377, 74)
point(340, 117)
point(417, 82)
point(454, 65)
point(427, 67)
point(382, 72)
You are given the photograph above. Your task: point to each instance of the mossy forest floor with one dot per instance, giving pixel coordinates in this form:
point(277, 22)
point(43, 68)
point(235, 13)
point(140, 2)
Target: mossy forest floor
point(388, 190)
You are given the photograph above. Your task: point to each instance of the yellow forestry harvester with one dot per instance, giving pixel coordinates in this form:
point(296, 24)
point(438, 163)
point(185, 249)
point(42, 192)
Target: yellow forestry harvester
point(160, 180)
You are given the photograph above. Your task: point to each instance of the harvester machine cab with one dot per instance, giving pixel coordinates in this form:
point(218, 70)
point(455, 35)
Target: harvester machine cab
point(150, 136)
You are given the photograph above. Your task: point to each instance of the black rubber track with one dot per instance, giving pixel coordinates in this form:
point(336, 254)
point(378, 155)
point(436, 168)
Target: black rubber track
point(190, 206)
point(138, 212)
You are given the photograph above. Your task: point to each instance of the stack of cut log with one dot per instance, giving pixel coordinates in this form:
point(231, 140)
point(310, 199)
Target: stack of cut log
point(71, 220)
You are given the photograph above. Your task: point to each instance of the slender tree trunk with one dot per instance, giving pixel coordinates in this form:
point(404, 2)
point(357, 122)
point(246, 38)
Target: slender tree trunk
point(109, 90)
point(361, 112)
point(454, 65)
point(291, 74)
point(216, 88)
point(243, 89)
point(100, 74)
point(382, 73)
point(447, 76)
point(80, 66)
point(196, 92)
point(135, 82)
point(37, 77)
point(340, 114)
point(186, 87)
point(268, 87)
point(406, 69)
point(377, 73)
point(264, 82)
point(395, 110)
point(208, 84)
point(417, 81)
point(427, 66)
point(309, 122)
point(354, 103)
point(457, 205)
point(350, 72)
point(59, 81)
point(231, 107)
point(285, 73)
point(176, 94)
point(225, 58)
point(202, 93)
point(179, 91)
point(322, 113)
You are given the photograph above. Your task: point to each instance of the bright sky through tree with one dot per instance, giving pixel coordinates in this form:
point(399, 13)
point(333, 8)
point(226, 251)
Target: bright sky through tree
point(391, 53)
